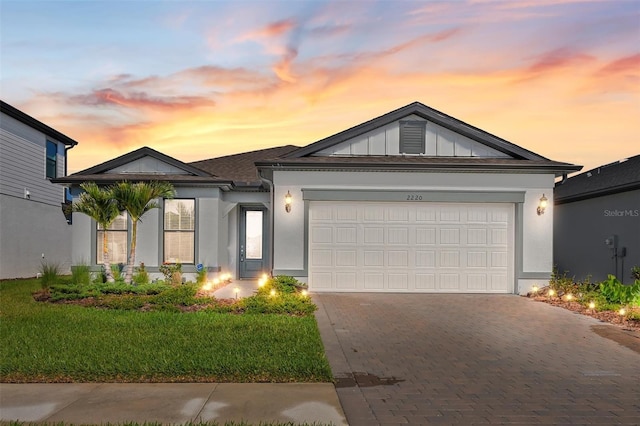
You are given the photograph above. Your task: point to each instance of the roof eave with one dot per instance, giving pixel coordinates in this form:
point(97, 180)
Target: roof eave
point(77, 180)
point(557, 169)
point(594, 194)
point(36, 124)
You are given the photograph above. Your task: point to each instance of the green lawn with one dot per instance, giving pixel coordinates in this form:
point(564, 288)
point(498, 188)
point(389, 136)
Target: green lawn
point(43, 342)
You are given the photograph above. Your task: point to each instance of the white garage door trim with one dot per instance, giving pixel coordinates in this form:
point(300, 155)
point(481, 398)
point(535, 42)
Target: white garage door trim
point(357, 246)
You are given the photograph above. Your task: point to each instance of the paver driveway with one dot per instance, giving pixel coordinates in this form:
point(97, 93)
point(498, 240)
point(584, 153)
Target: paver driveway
point(474, 359)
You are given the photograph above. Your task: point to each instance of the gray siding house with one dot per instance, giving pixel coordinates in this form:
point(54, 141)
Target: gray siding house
point(597, 224)
point(411, 201)
point(33, 227)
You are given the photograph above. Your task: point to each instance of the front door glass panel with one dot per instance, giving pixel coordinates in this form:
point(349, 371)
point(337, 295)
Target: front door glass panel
point(253, 234)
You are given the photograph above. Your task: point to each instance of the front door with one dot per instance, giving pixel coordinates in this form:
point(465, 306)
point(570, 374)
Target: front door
point(253, 240)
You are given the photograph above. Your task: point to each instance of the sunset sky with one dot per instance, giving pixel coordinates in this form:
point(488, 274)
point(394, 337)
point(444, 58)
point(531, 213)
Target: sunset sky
point(202, 79)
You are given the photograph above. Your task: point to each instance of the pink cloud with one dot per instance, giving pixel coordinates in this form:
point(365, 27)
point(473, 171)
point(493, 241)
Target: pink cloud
point(273, 29)
point(138, 100)
point(622, 65)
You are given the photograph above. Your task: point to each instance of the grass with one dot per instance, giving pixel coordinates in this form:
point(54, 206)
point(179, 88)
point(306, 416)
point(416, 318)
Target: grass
point(69, 343)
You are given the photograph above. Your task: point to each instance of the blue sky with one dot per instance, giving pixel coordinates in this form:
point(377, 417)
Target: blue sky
point(202, 79)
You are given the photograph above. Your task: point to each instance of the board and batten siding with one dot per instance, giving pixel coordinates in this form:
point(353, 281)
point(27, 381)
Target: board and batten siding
point(22, 167)
point(439, 142)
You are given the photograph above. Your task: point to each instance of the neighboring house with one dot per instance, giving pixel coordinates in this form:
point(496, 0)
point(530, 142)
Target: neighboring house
point(33, 227)
point(412, 201)
point(597, 222)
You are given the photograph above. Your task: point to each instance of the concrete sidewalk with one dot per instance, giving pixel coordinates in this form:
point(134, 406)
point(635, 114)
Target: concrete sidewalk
point(171, 403)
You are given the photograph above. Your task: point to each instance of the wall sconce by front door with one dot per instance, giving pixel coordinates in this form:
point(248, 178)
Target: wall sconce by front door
point(287, 202)
point(542, 205)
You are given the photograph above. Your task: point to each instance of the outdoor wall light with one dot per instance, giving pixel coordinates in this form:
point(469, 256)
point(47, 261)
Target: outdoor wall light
point(542, 206)
point(287, 202)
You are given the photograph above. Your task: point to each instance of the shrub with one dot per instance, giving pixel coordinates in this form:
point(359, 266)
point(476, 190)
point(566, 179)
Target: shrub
point(284, 303)
point(561, 283)
point(49, 274)
point(141, 276)
point(616, 292)
point(171, 269)
point(81, 274)
point(635, 272)
point(116, 271)
point(282, 284)
point(184, 295)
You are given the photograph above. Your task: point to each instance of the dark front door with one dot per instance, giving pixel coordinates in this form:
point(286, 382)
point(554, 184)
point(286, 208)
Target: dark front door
point(252, 242)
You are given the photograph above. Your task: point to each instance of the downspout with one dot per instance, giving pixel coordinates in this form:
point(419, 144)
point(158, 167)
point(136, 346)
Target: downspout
point(269, 183)
point(66, 172)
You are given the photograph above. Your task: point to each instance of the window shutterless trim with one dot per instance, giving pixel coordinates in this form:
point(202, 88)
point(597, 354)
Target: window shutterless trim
point(191, 231)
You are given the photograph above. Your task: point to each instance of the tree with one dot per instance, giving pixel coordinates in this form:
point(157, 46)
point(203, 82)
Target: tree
point(137, 199)
point(99, 204)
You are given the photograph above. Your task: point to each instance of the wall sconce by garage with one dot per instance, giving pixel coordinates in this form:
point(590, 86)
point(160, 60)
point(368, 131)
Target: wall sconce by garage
point(287, 202)
point(542, 206)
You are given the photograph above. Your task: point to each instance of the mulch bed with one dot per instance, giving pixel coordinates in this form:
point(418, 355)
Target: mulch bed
point(611, 317)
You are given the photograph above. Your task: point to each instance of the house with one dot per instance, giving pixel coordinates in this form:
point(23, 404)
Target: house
point(33, 227)
point(411, 201)
point(597, 222)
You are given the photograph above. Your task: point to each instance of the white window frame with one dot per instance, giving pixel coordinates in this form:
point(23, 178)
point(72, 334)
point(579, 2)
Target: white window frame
point(184, 229)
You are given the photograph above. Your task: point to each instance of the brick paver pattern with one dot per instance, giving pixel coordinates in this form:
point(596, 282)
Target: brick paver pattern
point(477, 359)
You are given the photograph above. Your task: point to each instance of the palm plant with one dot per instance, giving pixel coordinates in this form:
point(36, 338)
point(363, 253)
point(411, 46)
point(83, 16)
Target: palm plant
point(99, 204)
point(137, 199)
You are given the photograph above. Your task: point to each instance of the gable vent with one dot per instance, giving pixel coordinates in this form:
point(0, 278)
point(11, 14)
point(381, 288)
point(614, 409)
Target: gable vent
point(412, 137)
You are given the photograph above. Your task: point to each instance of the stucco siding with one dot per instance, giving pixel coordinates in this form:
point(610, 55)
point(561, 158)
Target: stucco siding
point(535, 240)
point(28, 230)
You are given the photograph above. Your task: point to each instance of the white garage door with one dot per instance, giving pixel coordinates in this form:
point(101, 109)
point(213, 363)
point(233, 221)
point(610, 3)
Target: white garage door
point(411, 247)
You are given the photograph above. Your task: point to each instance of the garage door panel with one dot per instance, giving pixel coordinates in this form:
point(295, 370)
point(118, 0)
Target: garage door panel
point(398, 281)
point(450, 236)
point(322, 258)
point(426, 236)
point(322, 234)
point(425, 282)
point(399, 236)
point(345, 280)
point(398, 258)
point(477, 282)
point(477, 236)
point(425, 259)
point(450, 282)
point(346, 235)
point(405, 247)
point(374, 281)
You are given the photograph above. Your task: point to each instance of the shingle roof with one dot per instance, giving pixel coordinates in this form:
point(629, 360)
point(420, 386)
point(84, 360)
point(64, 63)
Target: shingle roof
point(241, 168)
point(611, 178)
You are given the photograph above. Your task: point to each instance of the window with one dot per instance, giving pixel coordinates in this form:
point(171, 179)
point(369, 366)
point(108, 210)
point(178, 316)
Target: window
point(412, 137)
point(116, 240)
point(179, 231)
point(52, 160)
